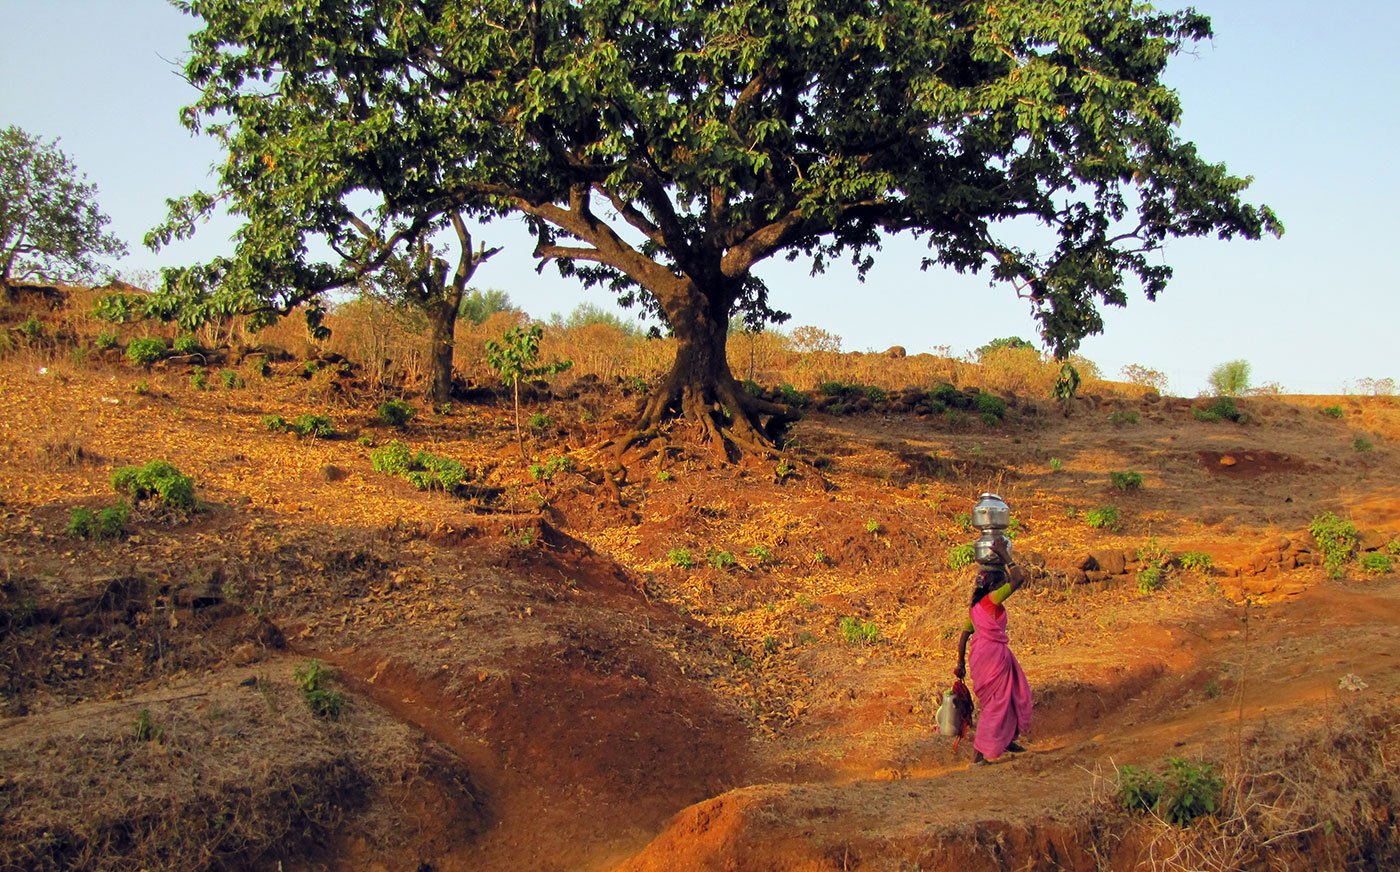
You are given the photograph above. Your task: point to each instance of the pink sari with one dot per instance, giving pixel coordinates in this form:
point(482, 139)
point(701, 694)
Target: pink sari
point(1001, 687)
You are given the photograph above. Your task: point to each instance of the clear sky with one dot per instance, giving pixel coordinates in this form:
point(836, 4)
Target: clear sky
point(1301, 96)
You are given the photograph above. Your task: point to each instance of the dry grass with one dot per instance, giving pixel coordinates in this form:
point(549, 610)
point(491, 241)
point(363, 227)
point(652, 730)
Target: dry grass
point(225, 777)
point(1322, 799)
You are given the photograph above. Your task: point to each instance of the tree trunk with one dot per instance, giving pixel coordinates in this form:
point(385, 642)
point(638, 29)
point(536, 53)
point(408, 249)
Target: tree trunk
point(442, 319)
point(702, 389)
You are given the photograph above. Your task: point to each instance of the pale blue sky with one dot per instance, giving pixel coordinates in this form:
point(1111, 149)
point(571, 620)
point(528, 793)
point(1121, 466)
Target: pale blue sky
point(1302, 97)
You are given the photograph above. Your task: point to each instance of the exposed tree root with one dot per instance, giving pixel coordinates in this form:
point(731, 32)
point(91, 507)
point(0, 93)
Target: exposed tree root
point(731, 422)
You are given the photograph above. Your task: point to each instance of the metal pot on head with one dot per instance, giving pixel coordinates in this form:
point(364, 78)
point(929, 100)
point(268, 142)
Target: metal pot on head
point(991, 515)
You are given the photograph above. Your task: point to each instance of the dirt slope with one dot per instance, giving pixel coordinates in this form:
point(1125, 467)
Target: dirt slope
point(604, 705)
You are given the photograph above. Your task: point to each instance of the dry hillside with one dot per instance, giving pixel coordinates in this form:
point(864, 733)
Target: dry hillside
point(576, 662)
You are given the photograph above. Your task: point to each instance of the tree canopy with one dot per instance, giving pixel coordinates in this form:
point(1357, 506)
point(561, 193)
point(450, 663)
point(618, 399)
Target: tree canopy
point(50, 224)
point(664, 148)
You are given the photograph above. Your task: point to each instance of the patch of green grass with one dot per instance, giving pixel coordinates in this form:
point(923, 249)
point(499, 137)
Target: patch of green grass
point(553, 466)
point(1120, 418)
point(1150, 579)
point(230, 379)
point(761, 554)
point(1212, 689)
point(146, 729)
point(539, 422)
point(858, 632)
point(1056, 464)
point(105, 340)
point(1128, 480)
point(1188, 791)
point(426, 471)
point(872, 526)
point(663, 475)
point(199, 379)
point(1332, 411)
point(274, 423)
point(1102, 518)
point(1362, 444)
point(784, 470)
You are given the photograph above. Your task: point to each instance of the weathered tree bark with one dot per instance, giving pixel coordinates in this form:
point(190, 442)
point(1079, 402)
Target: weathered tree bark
point(442, 321)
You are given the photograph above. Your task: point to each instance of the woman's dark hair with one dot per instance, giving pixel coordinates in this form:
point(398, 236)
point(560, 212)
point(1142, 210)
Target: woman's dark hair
point(988, 580)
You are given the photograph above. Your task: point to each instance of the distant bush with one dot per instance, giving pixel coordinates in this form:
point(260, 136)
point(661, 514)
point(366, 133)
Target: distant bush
point(540, 422)
point(1128, 480)
point(553, 466)
point(1362, 444)
point(105, 340)
point(1230, 379)
point(1102, 518)
point(275, 423)
point(144, 352)
point(991, 407)
point(761, 554)
point(199, 379)
point(186, 344)
point(323, 702)
point(1143, 377)
point(1056, 464)
point(158, 479)
point(1120, 418)
point(394, 413)
point(1337, 538)
point(230, 379)
point(1222, 409)
point(1332, 411)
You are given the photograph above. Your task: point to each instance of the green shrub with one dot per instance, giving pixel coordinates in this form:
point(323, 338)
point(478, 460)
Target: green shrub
point(1377, 563)
point(792, 396)
point(553, 466)
point(1337, 538)
point(719, 559)
point(1188, 791)
point(1220, 409)
point(1126, 480)
point(1102, 518)
point(858, 632)
point(991, 407)
point(663, 475)
point(961, 556)
point(32, 329)
point(275, 423)
point(1196, 561)
point(1393, 547)
point(872, 526)
point(1332, 411)
point(761, 554)
point(1056, 464)
point(680, 558)
point(1150, 579)
point(1138, 790)
point(158, 479)
point(230, 379)
point(146, 729)
point(311, 426)
point(105, 340)
point(394, 413)
point(1230, 379)
point(784, 470)
point(186, 344)
point(540, 422)
point(198, 379)
point(142, 388)
point(426, 471)
point(1362, 444)
point(1120, 418)
point(323, 702)
point(144, 352)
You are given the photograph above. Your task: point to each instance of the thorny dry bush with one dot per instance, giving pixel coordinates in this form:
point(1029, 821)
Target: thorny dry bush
point(176, 782)
point(1325, 799)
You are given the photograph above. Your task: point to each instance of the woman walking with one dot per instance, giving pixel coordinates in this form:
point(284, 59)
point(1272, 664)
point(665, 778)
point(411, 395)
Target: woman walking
point(1001, 688)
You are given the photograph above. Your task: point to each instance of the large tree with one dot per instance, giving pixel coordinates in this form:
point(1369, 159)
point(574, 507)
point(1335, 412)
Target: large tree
point(665, 148)
point(50, 223)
